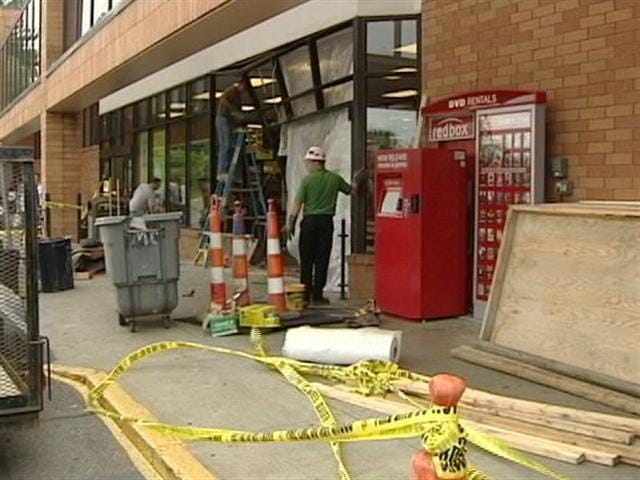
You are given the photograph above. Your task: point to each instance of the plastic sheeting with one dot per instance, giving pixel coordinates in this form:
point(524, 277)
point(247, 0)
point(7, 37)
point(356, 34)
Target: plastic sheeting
point(332, 132)
point(342, 346)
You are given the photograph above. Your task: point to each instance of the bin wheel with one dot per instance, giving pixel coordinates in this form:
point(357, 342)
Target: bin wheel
point(166, 321)
point(122, 321)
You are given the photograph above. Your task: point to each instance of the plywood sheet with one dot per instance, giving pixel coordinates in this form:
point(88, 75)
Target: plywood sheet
point(569, 288)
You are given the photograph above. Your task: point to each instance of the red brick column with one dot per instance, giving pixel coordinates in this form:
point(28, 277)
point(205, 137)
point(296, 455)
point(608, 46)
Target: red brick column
point(61, 168)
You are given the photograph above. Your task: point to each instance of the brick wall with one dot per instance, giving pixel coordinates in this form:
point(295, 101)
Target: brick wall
point(583, 53)
point(60, 167)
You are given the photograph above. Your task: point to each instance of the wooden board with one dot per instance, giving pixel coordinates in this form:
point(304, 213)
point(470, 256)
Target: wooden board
point(567, 288)
point(574, 373)
point(517, 408)
point(555, 380)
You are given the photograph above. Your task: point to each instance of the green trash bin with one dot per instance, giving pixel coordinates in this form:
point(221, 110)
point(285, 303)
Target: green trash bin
point(143, 263)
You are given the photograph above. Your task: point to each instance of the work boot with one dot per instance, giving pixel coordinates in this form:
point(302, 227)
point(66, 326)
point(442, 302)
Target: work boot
point(319, 301)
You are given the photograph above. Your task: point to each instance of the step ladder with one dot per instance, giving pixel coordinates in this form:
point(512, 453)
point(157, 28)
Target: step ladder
point(244, 154)
point(251, 186)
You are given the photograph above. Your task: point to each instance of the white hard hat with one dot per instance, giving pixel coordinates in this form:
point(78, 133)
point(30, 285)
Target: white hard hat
point(316, 154)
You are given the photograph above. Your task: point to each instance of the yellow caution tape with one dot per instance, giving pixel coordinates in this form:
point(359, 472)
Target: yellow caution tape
point(61, 205)
point(438, 427)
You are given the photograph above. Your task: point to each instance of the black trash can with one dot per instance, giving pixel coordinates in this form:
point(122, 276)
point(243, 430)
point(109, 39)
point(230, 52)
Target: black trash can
point(56, 264)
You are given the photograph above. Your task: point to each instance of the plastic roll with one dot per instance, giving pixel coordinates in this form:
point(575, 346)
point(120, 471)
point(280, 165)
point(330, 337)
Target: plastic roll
point(342, 346)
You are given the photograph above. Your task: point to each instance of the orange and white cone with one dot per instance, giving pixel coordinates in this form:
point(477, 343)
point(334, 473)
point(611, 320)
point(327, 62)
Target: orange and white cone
point(216, 256)
point(275, 262)
point(240, 260)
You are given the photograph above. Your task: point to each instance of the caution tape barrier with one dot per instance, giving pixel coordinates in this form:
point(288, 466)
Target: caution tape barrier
point(438, 428)
point(61, 205)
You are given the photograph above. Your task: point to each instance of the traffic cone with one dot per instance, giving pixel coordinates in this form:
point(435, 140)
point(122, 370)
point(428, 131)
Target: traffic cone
point(275, 262)
point(216, 255)
point(240, 260)
point(445, 391)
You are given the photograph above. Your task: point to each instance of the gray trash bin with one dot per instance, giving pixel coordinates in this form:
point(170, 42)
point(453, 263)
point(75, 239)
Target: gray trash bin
point(143, 264)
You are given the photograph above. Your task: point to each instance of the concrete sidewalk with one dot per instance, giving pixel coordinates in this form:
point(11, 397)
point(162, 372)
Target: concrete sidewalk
point(204, 389)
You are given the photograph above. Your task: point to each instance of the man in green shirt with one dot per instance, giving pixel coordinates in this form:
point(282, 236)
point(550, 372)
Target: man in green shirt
point(318, 193)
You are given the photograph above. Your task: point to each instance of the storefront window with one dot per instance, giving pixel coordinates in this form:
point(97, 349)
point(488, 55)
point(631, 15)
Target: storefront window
point(200, 158)
point(177, 103)
point(142, 113)
point(158, 154)
point(200, 96)
point(390, 44)
point(127, 126)
point(393, 95)
point(296, 69)
point(105, 132)
point(303, 105)
point(338, 94)
point(143, 157)
point(158, 107)
point(116, 127)
point(177, 187)
point(335, 55)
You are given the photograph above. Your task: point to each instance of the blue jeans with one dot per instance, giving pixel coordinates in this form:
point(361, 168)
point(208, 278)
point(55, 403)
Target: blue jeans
point(225, 150)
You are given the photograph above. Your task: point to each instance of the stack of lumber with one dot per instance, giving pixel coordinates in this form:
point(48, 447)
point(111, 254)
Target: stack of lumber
point(561, 433)
point(88, 259)
point(565, 302)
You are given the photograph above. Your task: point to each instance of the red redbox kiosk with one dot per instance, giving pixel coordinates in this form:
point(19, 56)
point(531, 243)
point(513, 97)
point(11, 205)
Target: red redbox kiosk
point(421, 233)
point(503, 135)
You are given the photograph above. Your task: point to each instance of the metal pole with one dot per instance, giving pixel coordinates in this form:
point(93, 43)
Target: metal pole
point(343, 247)
point(110, 195)
point(79, 215)
point(47, 214)
point(118, 196)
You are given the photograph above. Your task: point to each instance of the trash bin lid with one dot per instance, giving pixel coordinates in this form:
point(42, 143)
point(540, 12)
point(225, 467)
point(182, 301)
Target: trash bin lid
point(110, 220)
point(46, 241)
point(162, 217)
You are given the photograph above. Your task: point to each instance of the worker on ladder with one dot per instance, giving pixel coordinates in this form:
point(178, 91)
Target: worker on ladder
point(228, 117)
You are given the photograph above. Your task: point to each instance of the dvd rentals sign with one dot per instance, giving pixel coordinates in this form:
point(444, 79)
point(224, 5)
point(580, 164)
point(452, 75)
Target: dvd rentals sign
point(453, 118)
point(458, 125)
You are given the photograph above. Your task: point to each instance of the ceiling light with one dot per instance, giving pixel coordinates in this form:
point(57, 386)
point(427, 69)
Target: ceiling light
point(405, 70)
point(254, 125)
point(261, 81)
point(247, 108)
point(410, 48)
point(400, 94)
point(201, 96)
point(393, 77)
point(178, 105)
point(273, 100)
point(176, 114)
point(219, 94)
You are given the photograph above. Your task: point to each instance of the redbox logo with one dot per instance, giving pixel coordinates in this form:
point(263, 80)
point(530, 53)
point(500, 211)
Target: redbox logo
point(450, 128)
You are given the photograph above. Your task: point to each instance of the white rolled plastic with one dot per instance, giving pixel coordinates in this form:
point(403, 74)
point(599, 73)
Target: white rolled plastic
point(342, 346)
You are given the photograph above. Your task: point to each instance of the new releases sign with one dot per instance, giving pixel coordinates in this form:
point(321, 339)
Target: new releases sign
point(446, 129)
